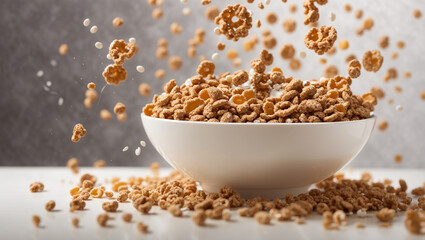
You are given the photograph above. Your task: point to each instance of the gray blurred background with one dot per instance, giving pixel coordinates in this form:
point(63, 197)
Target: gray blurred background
point(36, 130)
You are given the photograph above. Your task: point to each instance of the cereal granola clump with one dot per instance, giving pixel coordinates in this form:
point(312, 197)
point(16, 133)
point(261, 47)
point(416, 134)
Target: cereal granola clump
point(117, 22)
point(320, 39)
point(354, 68)
point(50, 205)
point(233, 30)
point(78, 132)
point(36, 220)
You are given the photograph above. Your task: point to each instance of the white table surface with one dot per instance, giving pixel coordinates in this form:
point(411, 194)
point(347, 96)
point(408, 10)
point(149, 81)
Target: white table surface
point(18, 204)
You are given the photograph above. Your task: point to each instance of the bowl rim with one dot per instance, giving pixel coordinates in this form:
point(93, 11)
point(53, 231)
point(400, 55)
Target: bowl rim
point(371, 118)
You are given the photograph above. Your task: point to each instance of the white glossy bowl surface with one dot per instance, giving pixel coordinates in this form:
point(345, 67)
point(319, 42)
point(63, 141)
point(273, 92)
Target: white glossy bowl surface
point(258, 159)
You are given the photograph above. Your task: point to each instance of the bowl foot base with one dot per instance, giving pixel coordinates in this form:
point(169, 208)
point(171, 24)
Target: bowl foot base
point(264, 193)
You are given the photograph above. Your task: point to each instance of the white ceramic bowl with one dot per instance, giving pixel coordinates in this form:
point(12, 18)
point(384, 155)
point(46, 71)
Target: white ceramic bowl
point(258, 159)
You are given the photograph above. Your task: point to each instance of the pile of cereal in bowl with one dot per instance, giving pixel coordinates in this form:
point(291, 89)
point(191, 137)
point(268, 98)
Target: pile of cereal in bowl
point(260, 97)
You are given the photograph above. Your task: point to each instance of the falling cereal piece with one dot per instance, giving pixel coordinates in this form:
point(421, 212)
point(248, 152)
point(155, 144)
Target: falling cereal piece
point(117, 22)
point(40, 73)
point(75, 222)
point(138, 151)
point(99, 164)
point(143, 143)
point(417, 13)
point(86, 22)
point(344, 44)
point(78, 132)
point(93, 29)
point(125, 149)
point(358, 13)
point(399, 108)
point(184, 1)
point(382, 125)
point(36, 220)
point(400, 44)
point(423, 95)
point(63, 49)
point(144, 89)
point(91, 85)
point(303, 54)
point(140, 69)
point(398, 158)
point(98, 45)
point(105, 115)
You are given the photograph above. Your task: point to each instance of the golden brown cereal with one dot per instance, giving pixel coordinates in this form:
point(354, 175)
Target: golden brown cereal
point(233, 30)
point(91, 85)
point(74, 191)
point(320, 39)
point(159, 74)
point(422, 95)
point(354, 68)
point(330, 71)
point(119, 108)
point(292, 8)
point(417, 13)
point(109, 194)
point(398, 158)
point(126, 217)
point(78, 132)
point(142, 227)
point(50, 205)
point(400, 44)
point(36, 220)
point(287, 51)
point(394, 55)
point(199, 217)
point(260, 5)
point(145, 90)
point(311, 12)
point(294, 64)
point(99, 164)
point(161, 52)
point(269, 41)
point(205, 2)
point(102, 219)
point(73, 165)
point(175, 210)
point(221, 46)
point(263, 217)
point(117, 22)
point(398, 89)
point(232, 53)
point(87, 184)
point(343, 44)
point(119, 51)
point(358, 13)
point(271, 17)
point(63, 49)
point(206, 68)
point(175, 28)
point(323, 60)
point(382, 125)
point(258, 24)
point(377, 92)
point(289, 25)
point(368, 23)
point(105, 115)
point(114, 74)
point(110, 206)
point(211, 13)
point(77, 204)
point(266, 57)
point(175, 63)
point(157, 13)
point(75, 222)
point(372, 60)
point(384, 42)
point(385, 215)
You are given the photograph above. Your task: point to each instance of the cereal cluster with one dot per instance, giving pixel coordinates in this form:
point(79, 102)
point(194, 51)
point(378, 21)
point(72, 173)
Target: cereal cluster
point(119, 51)
point(257, 96)
point(78, 132)
point(233, 30)
point(320, 39)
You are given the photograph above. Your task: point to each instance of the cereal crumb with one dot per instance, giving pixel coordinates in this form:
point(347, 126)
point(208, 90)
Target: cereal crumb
point(91, 85)
point(368, 23)
point(99, 164)
point(50, 205)
point(175, 210)
point(398, 158)
point(289, 25)
point(145, 90)
point(211, 13)
point(358, 13)
point(36, 187)
point(63, 49)
point(110, 206)
point(263, 217)
point(72, 164)
point(36, 220)
point(142, 227)
point(75, 222)
point(199, 217)
point(102, 219)
point(175, 28)
point(117, 22)
point(359, 225)
point(119, 108)
point(385, 215)
point(175, 63)
point(343, 44)
point(105, 115)
point(417, 13)
point(125, 149)
point(157, 13)
point(126, 217)
point(78, 132)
